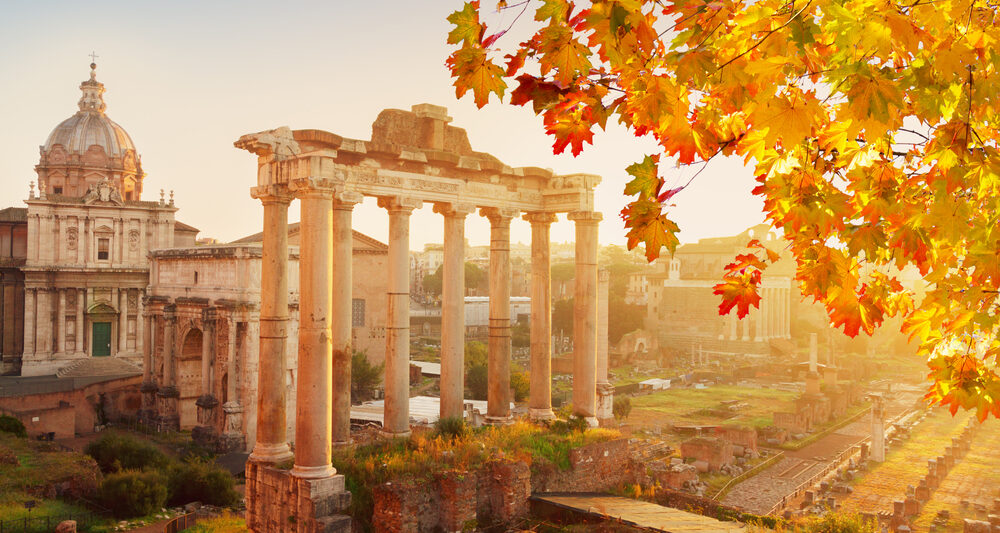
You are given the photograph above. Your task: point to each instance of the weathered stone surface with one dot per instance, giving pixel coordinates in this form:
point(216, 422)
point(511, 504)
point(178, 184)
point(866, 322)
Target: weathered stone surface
point(66, 526)
point(284, 503)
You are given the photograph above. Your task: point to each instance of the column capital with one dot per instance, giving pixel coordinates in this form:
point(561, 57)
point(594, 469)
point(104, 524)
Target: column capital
point(347, 199)
point(499, 215)
point(399, 203)
point(540, 217)
point(269, 194)
point(209, 315)
point(454, 209)
point(312, 187)
point(585, 217)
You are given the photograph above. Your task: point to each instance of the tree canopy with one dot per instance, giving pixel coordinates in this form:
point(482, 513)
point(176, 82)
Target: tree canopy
point(870, 125)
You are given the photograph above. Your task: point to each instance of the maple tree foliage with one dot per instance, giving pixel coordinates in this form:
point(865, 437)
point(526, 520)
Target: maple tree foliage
point(871, 126)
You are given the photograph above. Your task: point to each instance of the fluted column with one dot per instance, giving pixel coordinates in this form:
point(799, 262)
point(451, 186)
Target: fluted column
point(397, 323)
point(453, 309)
point(540, 400)
point(585, 316)
point(122, 320)
point(271, 445)
point(61, 323)
point(81, 296)
point(313, 402)
point(498, 349)
point(342, 246)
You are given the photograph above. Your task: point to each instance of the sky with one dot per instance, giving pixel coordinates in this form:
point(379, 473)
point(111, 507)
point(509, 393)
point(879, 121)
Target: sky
point(187, 78)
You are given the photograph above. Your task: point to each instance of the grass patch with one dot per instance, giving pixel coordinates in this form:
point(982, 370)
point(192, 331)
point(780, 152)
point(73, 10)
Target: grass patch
point(704, 406)
point(227, 523)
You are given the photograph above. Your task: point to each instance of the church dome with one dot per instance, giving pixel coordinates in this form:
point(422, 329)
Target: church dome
point(88, 148)
point(90, 126)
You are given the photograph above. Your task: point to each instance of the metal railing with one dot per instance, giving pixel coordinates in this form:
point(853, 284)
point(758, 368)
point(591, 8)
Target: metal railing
point(181, 523)
point(46, 524)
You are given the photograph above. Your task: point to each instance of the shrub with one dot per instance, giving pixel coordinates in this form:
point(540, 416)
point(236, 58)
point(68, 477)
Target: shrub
point(521, 384)
point(132, 493)
point(452, 427)
point(364, 376)
point(10, 424)
point(199, 481)
point(477, 380)
point(116, 451)
point(622, 407)
point(574, 424)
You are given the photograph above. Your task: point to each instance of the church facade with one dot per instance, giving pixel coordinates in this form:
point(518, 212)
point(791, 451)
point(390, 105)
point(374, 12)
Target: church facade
point(76, 265)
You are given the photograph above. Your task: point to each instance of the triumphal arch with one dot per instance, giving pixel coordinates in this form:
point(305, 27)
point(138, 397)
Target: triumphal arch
point(414, 158)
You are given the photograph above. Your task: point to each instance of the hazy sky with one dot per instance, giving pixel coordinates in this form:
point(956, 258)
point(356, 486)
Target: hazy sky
point(187, 78)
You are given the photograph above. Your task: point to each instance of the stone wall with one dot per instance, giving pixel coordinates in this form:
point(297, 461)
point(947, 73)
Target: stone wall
point(595, 467)
point(498, 493)
point(59, 420)
point(715, 452)
point(121, 399)
point(285, 504)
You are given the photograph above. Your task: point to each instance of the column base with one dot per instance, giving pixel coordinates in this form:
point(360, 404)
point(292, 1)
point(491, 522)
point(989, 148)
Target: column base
point(386, 434)
point(605, 401)
point(591, 421)
point(498, 420)
point(270, 453)
point(279, 501)
point(341, 443)
point(541, 414)
point(313, 472)
point(232, 442)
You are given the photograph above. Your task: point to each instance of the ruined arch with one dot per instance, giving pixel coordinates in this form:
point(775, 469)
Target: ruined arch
point(189, 377)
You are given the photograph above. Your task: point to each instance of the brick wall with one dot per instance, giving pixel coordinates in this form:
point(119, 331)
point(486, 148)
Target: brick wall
point(283, 503)
point(593, 468)
point(121, 398)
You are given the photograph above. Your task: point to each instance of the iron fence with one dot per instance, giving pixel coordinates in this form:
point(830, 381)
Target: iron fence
point(181, 523)
point(47, 524)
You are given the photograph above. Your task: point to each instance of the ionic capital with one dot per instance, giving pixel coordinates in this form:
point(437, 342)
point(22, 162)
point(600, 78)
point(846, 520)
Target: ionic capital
point(312, 187)
point(272, 194)
point(399, 204)
point(499, 216)
point(585, 217)
point(347, 200)
point(454, 209)
point(540, 217)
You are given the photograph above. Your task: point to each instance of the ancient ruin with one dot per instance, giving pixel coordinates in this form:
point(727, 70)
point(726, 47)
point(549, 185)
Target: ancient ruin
point(413, 158)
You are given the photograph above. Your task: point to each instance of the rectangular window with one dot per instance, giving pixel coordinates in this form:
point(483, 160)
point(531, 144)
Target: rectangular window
point(102, 248)
point(57, 190)
point(358, 313)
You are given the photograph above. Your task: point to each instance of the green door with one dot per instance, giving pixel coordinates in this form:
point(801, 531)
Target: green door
point(102, 339)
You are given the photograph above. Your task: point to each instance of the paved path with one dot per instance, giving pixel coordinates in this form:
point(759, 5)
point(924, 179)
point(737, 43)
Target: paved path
point(640, 513)
point(762, 492)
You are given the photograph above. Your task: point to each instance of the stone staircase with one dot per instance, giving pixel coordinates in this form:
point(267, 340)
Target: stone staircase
point(98, 366)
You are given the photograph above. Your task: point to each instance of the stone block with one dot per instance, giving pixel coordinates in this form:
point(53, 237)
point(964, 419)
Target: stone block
point(911, 507)
point(66, 526)
point(702, 466)
point(976, 526)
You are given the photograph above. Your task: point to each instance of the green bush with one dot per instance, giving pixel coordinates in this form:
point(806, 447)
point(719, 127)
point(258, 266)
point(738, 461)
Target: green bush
point(201, 481)
point(477, 381)
point(574, 424)
point(520, 382)
point(116, 451)
point(451, 427)
point(622, 407)
point(364, 376)
point(132, 493)
point(10, 424)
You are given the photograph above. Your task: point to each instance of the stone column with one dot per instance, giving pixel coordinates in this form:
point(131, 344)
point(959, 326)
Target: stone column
point(168, 394)
point(122, 320)
point(148, 387)
point(540, 400)
point(498, 354)
point(787, 298)
point(878, 430)
point(61, 322)
point(43, 337)
point(313, 406)
point(81, 295)
point(585, 316)
point(342, 247)
point(453, 309)
point(140, 327)
point(233, 437)
point(29, 321)
point(271, 445)
point(732, 327)
point(397, 323)
point(205, 432)
point(605, 391)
